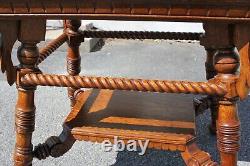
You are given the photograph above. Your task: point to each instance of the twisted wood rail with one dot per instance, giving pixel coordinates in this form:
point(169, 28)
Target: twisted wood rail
point(142, 35)
point(123, 84)
point(56, 43)
point(51, 47)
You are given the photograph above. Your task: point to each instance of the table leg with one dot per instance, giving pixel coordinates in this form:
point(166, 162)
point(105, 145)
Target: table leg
point(28, 55)
point(25, 120)
point(55, 146)
point(193, 156)
point(73, 56)
point(228, 125)
point(228, 133)
point(210, 73)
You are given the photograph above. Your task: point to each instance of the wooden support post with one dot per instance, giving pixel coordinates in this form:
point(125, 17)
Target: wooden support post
point(211, 42)
point(220, 36)
point(210, 73)
point(242, 42)
point(28, 55)
point(228, 125)
point(73, 57)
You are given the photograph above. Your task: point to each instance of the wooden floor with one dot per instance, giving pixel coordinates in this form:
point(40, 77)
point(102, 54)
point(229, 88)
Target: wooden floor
point(167, 120)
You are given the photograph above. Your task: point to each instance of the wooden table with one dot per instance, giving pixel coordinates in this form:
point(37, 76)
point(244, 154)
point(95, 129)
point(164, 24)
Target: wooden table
point(167, 120)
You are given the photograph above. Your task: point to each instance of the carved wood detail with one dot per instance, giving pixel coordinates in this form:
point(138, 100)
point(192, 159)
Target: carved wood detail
point(229, 136)
point(193, 156)
point(226, 27)
point(9, 32)
point(71, 29)
point(146, 8)
point(54, 146)
point(142, 35)
point(25, 109)
point(226, 65)
point(51, 47)
point(123, 84)
point(100, 103)
point(25, 120)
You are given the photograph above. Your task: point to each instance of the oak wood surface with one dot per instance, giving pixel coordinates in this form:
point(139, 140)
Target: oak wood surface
point(186, 10)
point(28, 55)
point(159, 117)
point(103, 114)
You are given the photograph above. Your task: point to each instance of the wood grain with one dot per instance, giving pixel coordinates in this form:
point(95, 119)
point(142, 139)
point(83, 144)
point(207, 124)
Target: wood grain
point(104, 114)
point(185, 10)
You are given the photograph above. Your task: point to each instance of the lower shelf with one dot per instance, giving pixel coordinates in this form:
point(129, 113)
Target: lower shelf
point(166, 120)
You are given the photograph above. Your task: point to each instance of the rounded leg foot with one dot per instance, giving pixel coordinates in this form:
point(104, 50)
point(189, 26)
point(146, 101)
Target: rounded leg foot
point(193, 156)
point(54, 146)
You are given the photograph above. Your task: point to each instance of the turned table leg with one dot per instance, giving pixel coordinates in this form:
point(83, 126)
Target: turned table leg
point(193, 156)
point(228, 125)
point(220, 36)
point(73, 56)
point(25, 120)
point(210, 73)
point(25, 108)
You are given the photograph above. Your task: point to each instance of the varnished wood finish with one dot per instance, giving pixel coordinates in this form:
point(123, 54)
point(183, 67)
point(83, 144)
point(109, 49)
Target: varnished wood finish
point(185, 10)
point(242, 38)
point(226, 63)
point(193, 156)
point(228, 126)
point(55, 146)
point(226, 25)
point(124, 84)
point(208, 102)
point(99, 112)
point(210, 73)
point(167, 120)
point(9, 32)
point(25, 121)
point(73, 56)
point(51, 47)
point(141, 35)
point(25, 109)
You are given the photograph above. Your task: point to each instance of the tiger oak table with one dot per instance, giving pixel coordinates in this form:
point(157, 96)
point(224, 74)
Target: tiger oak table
point(111, 107)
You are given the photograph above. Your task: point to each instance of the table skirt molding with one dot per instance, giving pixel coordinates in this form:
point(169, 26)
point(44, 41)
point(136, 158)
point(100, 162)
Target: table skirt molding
point(188, 10)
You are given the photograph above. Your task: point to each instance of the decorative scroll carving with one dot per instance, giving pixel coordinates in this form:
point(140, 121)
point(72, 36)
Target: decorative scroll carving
point(123, 84)
point(142, 35)
point(8, 31)
point(201, 158)
point(51, 47)
point(193, 156)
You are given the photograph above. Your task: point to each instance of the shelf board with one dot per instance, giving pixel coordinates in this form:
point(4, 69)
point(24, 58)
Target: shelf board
point(167, 120)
